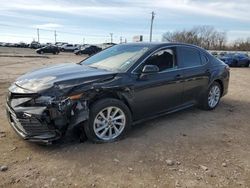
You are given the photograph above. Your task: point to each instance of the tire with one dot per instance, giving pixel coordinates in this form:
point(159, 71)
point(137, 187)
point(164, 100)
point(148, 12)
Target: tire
point(99, 130)
point(247, 64)
point(206, 103)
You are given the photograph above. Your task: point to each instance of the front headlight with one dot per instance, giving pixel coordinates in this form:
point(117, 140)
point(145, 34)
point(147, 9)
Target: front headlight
point(68, 101)
point(76, 97)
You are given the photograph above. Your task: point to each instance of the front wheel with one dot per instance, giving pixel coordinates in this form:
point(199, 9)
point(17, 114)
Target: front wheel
point(109, 120)
point(212, 97)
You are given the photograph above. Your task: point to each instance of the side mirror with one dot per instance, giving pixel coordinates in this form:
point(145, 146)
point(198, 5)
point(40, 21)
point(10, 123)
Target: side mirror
point(150, 69)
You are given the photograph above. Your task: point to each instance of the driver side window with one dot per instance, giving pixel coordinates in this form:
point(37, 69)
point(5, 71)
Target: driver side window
point(164, 59)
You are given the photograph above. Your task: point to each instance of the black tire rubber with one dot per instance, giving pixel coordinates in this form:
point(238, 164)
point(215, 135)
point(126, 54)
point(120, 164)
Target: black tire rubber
point(96, 108)
point(204, 101)
point(247, 64)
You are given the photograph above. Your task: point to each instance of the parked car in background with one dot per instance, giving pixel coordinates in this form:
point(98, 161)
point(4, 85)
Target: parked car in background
point(90, 50)
point(222, 53)
point(68, 48)
point(48, 49)
point(107, 92)
point(215, 54)
point(236, 59)
point(22, 45)
point(60, 44)
point(7, 44)
point(35, 45)
point(106, 45)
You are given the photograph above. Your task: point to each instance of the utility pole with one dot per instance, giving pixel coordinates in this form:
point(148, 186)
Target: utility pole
point(38, 37)
point(120, 39)
point(83, 40)
point(151, 26)
point(111, 37)
point(55, 36)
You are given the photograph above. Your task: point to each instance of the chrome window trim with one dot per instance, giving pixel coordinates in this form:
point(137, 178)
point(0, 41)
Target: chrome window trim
point(171, 70)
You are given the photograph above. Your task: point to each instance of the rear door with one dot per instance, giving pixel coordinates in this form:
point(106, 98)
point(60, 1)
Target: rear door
point(194, 64)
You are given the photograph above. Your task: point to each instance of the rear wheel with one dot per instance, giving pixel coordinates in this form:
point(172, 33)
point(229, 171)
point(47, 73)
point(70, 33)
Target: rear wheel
point(212, 97)
point(247, 64)
point(109, 120)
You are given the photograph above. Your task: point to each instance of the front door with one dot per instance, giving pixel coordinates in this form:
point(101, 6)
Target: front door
point(161, 91)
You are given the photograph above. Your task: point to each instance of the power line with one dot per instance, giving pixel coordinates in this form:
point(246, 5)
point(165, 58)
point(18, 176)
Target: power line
point(111, 37)
point(39, 33)
point(38, 37)
point(55, 36)
point(50, 30)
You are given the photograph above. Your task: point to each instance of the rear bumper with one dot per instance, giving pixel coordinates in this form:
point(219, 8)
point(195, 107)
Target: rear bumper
point(31, 128)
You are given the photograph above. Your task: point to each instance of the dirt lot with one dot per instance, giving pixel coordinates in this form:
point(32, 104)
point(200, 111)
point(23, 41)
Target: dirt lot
point(207, 149)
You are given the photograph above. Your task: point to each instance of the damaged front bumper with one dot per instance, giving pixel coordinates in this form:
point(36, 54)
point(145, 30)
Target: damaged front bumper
point(44, 123)
point(31, 128)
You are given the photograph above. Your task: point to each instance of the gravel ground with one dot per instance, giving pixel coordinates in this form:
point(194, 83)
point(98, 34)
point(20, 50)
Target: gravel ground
point(191, 148)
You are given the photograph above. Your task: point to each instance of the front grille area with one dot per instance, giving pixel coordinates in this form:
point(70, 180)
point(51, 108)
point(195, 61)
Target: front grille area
point(29, 126)
point(28, 119)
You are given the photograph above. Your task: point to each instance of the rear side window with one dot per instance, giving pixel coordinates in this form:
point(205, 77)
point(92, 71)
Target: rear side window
point(189, 57)
point(204, 59)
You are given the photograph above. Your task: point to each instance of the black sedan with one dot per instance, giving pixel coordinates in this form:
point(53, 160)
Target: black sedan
point(108, 92)
point(88, 50)
point(48, 49)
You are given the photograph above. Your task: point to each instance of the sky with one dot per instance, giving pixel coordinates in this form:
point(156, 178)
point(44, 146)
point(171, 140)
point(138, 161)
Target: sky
point(92, 21)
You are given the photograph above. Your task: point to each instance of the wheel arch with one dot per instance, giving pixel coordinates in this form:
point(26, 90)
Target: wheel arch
point(220, 82)
point(111, 94)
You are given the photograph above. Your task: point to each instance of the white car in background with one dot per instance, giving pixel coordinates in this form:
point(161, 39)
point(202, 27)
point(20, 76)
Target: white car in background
point(68, 48)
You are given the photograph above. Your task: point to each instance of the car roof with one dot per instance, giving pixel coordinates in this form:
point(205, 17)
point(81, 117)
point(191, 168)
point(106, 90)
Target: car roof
point(160, 44)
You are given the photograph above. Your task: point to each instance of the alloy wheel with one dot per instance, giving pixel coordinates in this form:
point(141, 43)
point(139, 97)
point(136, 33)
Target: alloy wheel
point(109, 123)
point(214, 96)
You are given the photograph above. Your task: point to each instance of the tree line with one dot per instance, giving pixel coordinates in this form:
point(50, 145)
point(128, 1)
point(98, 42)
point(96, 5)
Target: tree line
point(206, 37)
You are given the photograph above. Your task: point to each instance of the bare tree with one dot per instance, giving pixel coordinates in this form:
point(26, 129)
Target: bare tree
point(205, 36)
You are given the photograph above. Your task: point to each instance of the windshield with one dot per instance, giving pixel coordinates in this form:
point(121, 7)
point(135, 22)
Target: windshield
point(117, 58)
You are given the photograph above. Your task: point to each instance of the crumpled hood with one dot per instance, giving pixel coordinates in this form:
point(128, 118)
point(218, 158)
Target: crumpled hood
point(64, 74)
